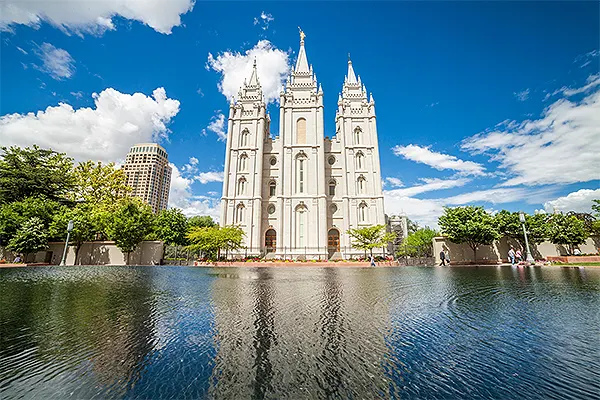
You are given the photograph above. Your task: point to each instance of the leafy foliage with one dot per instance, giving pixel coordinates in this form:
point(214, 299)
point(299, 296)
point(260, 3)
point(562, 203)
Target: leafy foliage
point(370, 237)
point(98, 183)
point(13, 215)
point(508, 224)
point(567, 230)
point(129, 224)
point(32, 171)
point(31, 237)
point(471, 225)
point(200, 221)
point(170, 226)
point(84, 225)
point(213, 240)
point(418, 243)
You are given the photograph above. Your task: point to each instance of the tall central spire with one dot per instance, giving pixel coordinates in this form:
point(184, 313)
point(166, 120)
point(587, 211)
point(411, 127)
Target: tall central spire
point(302, 62)
point(351, 77)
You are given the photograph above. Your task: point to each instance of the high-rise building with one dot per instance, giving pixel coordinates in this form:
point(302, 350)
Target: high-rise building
point(149, 174)
point(298, 194)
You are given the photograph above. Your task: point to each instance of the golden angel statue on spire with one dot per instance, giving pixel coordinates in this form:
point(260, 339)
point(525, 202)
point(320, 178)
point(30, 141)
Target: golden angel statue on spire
point(302, 34)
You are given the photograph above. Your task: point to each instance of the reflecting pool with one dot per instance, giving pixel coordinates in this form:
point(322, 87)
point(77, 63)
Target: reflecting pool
point(179, 332)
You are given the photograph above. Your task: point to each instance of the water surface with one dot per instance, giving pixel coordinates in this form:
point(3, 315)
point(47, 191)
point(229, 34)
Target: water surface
point(177, 332)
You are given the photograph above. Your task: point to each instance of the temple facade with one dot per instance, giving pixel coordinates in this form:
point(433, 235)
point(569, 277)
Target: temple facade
point(296, 195)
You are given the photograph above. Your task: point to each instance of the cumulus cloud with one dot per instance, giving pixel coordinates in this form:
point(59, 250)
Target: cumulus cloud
point(104, 133)
point(94, 17)
point(217, 125)
point(57, 63)
point(522, 95)
point(272, 66)
point(438, 161)
point(562, 146)
point(210, 176)
point(180, 196)
point(579, 201)
point(264, 19)
point(429, 185)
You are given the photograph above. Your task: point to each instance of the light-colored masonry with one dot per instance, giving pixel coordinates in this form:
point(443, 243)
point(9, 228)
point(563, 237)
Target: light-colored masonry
point(298, 194)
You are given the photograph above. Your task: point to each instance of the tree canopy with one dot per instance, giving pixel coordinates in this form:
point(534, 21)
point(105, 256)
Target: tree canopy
point(418, 243)
point(370, 237)
point(171, 227)
point(509, 224)
point(30, 237)
point(567, 230)
point(129, 224)
point(214, 239)
point(33, 171)
point(469, 224)
point(98, 183)
point(84, 225)
point(200, 221)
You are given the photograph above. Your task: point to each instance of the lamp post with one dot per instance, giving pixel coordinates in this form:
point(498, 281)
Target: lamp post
point(529, 257)
point(64, 257)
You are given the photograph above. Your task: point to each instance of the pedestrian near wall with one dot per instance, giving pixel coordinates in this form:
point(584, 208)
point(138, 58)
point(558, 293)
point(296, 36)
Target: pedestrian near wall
point(442, 258)
point(511, 256)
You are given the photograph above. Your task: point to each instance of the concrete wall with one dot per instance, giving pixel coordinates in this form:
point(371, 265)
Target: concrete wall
point(498, 252)
point(96, 253)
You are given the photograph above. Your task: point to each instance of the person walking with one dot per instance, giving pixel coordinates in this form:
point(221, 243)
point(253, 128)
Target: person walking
point(372, 261)
point(511, 256)
point(442, 258)
point(519, 256)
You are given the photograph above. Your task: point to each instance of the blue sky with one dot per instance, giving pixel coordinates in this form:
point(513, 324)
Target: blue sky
point(486, 103)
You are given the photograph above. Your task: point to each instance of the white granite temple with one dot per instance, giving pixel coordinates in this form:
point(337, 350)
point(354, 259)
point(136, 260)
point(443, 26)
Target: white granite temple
point(298, 194)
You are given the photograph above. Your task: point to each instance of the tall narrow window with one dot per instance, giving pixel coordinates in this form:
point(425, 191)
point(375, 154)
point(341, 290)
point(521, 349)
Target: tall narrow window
point(301, 131)
point(360, 183)
point(272, 187)
point(244, 138)
point(332, 188)
point(301, 176)
point(241, 186)
point(359, 160)
point(243, 162)
point(300, 226)
point(239, 215)
point(357, 135)
point(362, 212)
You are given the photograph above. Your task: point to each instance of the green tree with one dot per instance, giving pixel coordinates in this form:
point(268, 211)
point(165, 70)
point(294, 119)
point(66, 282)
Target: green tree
point(212, 240)
point(129, 224)
point(509, 224)
point(596, 212)
point(418, 244)
point(170, 226)
point(84, 228)
point(200, 221)
point(567, 230)
point(471, 225)
point(30, 238)
point(411, 226)
point(98, 183)
point(13, 215)
point(32, 171)
point(370, 237)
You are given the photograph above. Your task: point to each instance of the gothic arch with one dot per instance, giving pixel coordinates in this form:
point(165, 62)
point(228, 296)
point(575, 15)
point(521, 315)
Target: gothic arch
point(243, 162)
point(360, 160)
point(332, 184)
point(244, 137)
point(241, 189)
point(361, 185)
point(358, 135)
point(239, 213)
point(301, 131)
point(363, 209)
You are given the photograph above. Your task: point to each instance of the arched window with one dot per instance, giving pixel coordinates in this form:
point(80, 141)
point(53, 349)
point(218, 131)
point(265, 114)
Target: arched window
point(272, 188)
point(301, 213)
point(332, 187)
point(360, 160)
point(357, 136)
point(362, 212)
point(360, 185)
point(301, 172)
point(239, 214)
point(241, 186)
point(243, 162)
point(301, 131)
point(244, 138)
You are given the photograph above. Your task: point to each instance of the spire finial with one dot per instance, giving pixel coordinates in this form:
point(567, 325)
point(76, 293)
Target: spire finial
point(349, 60)
point(302, 35)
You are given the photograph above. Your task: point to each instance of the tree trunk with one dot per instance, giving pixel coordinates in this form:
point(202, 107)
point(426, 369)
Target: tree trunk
point(127, 263)
point(77, 248)
point(474, 253)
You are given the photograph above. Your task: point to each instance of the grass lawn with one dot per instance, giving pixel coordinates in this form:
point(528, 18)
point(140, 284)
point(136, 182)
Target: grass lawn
point(592, 264)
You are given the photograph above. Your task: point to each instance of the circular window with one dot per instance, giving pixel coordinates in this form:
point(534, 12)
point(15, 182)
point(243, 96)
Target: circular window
point(331, 160)
point(271, 209)
point(333, 208)
point(273, 161)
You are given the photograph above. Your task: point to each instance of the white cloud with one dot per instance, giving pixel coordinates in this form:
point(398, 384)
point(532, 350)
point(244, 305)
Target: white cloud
point(263, 20)
point(193, 161)
point(103, 133)
point(210, 176)
point(200, 92)
point(180, 196)
point(522, 95)
point(438, 161)
point(429, 186)
point(579, 201)
point(77, 94)
point(394, 182)
point(424, 212)
point(563, 146)
point(94, 17)
point(272, 65)
point(217, 125)
point(21, 50)
point(57, 63)
point(587, 58)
